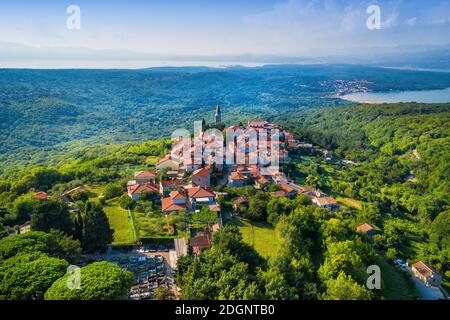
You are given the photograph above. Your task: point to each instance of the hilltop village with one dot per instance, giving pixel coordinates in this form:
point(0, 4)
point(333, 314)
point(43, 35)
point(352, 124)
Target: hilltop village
point(187, 186)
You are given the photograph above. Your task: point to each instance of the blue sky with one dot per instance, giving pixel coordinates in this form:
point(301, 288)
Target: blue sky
point(201, 27)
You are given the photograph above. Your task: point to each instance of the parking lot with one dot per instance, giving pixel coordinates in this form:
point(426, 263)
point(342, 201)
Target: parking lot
point(150, 266)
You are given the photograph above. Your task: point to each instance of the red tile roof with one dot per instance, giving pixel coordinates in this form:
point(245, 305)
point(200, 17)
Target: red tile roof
point(286, 188)
point(177, 195)
point(172, 183)
point(237, 176)
point(199, 192)
point(234, 127)
point(41, 195)
point(326, 201)
point(263, 180)
point(364, 228)
point(201, 241)
point(257, 123)
point(139, 188)
point(168, 205)
point(144, 174)
point(239, 201)
point(424, 269)
point(202, 172)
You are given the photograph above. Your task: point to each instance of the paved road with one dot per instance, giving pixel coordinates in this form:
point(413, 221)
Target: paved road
point(427, 293)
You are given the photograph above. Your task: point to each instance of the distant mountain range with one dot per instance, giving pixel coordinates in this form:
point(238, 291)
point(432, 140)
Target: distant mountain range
point(410, 57)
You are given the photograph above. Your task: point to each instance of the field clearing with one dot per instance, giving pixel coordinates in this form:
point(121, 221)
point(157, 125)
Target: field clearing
point(261, 236)
point(95, 190)
point(350, 202)
point(120, 222)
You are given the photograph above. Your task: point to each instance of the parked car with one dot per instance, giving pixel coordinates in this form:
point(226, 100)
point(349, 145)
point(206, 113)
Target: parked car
point(399, 262)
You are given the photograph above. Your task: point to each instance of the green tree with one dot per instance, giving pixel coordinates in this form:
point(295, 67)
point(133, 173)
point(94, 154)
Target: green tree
point(22, 208)
point(50, 214)
point(45, 178)
point(277, 207)
point(345, 288)
point(97, 233)
point(345, 257)
point(113, 190)
point(55, 244)
point(28, 275)
point(82, 196)
point(126, 202)
point(99, 281)
point(257, 207)
point(32, 241)
point(64, 246)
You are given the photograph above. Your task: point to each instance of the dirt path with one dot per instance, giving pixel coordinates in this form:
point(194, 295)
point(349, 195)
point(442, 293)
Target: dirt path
point(416, 154)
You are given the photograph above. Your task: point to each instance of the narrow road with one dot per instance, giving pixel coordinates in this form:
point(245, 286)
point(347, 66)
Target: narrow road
point(416, 154)
point(132, 225)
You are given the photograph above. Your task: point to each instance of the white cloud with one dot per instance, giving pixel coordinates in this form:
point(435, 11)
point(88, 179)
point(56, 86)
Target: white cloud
point(390, 21)
point(411, 22)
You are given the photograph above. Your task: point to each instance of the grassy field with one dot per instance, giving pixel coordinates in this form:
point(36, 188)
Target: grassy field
point(120, 222)
point(394, 284)
point(95, 191)
point(261, 236)
point(349, 202)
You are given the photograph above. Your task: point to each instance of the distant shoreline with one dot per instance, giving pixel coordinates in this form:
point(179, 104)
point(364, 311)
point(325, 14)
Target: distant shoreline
point(418, 96)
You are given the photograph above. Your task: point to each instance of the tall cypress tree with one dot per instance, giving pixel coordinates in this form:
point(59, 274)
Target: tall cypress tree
point(78, 233)
point(97, 233)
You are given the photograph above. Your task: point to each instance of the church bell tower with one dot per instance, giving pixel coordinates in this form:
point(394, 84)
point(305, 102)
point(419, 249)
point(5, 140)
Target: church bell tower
point(217, 116)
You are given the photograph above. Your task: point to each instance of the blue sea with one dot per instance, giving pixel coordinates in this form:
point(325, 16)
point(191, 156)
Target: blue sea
point(424, 96)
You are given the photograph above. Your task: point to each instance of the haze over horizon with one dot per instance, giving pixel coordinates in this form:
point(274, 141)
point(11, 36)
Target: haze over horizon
point(149, 33)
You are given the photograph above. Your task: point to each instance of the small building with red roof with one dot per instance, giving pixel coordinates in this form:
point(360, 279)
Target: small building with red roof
point(202, 196)
point(200, 243)
point(170, 185)
point(366, 228)
point(202, 177)
point(425, 273)
point(326, 203)
point(135, 191)
point(172, 204)
point(142, 177)
point(237, 179)
point(289, 190)
point(167, 163)
point(41, 195)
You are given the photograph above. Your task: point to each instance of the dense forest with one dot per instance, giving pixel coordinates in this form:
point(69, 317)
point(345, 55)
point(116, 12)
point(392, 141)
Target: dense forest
point(49, 112)
point(401, 173)
point(397, 181)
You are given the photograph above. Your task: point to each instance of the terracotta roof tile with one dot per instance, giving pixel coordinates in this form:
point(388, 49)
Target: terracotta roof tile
point(144, 174)
point(146, 187)
point(364, 228)
point(199, 192)
point(168, 205)
point(424, 269)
